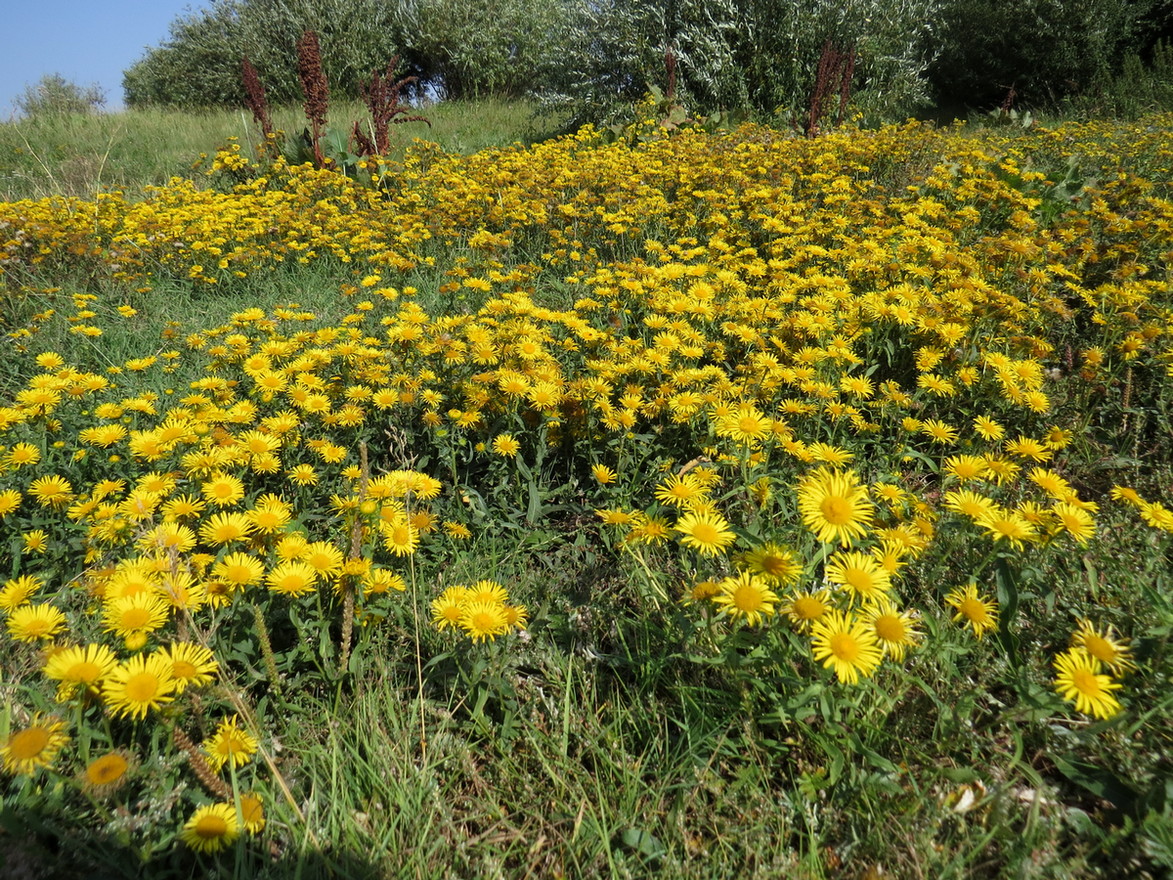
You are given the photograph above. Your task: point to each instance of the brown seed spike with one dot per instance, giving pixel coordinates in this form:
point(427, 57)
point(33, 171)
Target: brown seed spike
point(315, 89)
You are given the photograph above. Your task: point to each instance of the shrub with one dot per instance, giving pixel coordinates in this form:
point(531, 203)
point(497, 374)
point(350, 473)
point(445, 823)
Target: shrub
point(54, 95)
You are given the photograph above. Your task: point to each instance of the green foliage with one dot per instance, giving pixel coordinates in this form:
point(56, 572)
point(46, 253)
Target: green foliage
point(200, 64)
point(1035, 52)
point(760, 55)
point(54, 95)
point(457, 49)
point(1138, 89)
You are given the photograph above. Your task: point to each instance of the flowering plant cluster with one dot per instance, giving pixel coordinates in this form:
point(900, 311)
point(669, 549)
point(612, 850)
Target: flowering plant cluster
point(788, 379)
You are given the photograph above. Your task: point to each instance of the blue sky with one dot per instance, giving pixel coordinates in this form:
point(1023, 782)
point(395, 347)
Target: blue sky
point(87, 41)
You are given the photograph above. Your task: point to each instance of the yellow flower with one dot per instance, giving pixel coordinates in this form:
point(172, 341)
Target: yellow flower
point(51, 491)
point(834, 505)
point(895, 629)
point(1078, 680)
point(142, 684)
point(22, 454)
point(1104, 645)
point(211, 829)
point(747, 597)
point(106, 773)
point(1076, 521)
point(189, 664)
point(80, 666)
point(805, 607)
point(483, 620)
point(35, 541)
point(506, 445)
point(9, 501)
point(860, 574)
point(291, 578)
point(707, 533)
point(680, 490)
point(603, 475)
point(773, 563)
point(448, 607)
point(31, 623)
point(223, 490)
point(1009, 526)
point(230, 744)
point(846, 644)
point(457, 530)
point(252, 813)
point(130, 615)
point(34, 746)
point(978, 612)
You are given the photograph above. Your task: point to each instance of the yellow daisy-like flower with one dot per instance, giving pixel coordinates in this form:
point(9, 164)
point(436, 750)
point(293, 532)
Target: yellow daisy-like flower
point(224, 528)
point(978, 612)
point(189, 664)
point(399, 536)
point(603, 475)
point(680, 491)
point(1008, 525)
point(774, 563)
point(895, 629)
point(747, 597)
point(22, 454)
point(106, 773)
point(211, 828)
point(223, 490)
point(1104, 645)
point(506, 445)
point(746, 424)
point(239, 569)
point(834, 505)
point(9, 501)
point(35, 541)
point(457, 530)
point(291, 578)
point(252, 813)
point(486, 591)
point(138, 614)
point(846, 644)
point(1079, 680)
point(483, 620)
point(805, 607)
point(34, 746)
point(142, 684)
point(51, 491)
point(860, 574)
point(302, 475)
point(988, 429)
point(80, 666)
point(230, 744)
point(18, 590)
point(448, 607)
point(33, 623)
point(1076, 521)
point(707, 533)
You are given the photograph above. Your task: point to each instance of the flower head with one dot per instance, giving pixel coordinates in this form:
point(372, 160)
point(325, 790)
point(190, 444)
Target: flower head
point(834, 505)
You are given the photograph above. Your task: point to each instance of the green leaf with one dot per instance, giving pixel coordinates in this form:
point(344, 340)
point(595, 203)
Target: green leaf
point(643, 842)
point(1102, 783)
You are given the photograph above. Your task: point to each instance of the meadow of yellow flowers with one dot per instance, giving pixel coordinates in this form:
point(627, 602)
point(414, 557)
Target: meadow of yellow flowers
point(833, 394)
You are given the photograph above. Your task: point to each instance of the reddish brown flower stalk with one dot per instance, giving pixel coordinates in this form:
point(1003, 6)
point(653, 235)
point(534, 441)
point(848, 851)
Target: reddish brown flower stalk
point(836, 69)
point(315, 89)
point(381, 95)
point(254, 98)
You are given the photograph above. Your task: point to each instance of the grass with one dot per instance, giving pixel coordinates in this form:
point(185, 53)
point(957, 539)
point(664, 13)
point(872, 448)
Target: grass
point(623, 734)
point(80, 155)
